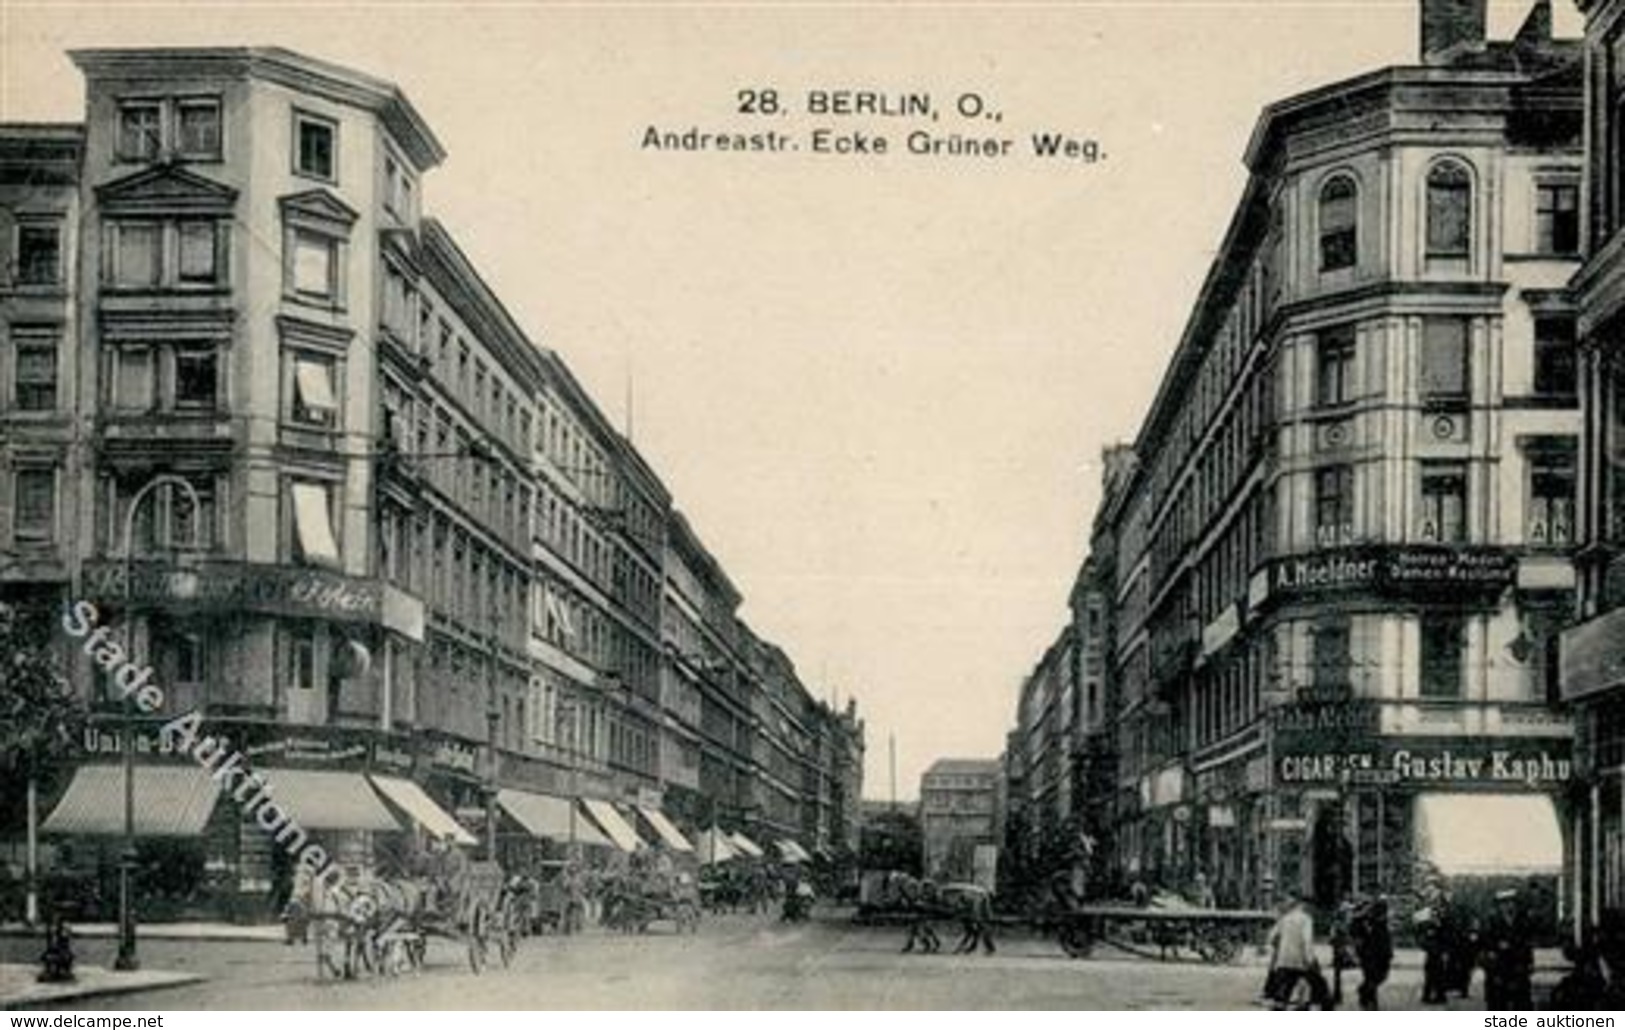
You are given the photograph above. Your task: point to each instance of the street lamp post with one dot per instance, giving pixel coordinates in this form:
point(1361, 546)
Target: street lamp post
point(127, 960)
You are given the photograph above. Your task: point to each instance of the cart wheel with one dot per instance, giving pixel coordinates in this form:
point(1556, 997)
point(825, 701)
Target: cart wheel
point(1217, 946)
point(1075, 940)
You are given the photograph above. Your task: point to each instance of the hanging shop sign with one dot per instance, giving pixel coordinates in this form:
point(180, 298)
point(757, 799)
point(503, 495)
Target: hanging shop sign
point(1426, 762)
point(1592, 656)
point(1404, 572)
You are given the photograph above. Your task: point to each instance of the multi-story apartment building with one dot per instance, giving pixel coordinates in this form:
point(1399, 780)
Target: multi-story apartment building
point(269, 418)
point(959, 811)
point(1340, 548)
point(1593, 656)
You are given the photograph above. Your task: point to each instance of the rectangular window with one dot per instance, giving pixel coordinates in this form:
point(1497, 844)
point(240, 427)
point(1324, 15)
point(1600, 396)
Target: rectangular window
point(1556, 372)
point(34, 517)
point(315, 147)
point(1449, 212)
point(1557, 218)
point(313, 523)
point(1550, 518)
point(35, 368)
point(302, 656)
point(198, 129)
point(1444, 360)
point(39, 253)
point(314, 265)
point(196, 378)
point(1444, 502)
point(315, 402)
point(1441, 664)
point(200, 252)
point(133, 386)
point(1334, 506)
point(138, 257)
point(141, 132)
point(192, 525)
point(1330, 642)
point(1334, 366)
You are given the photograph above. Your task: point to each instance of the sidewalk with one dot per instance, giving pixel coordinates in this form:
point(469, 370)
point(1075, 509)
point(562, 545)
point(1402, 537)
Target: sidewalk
point(161, 931)
point(19, 989)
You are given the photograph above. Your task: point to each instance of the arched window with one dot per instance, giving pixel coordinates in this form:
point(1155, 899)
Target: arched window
point(1339, 224)
point(1450, 208)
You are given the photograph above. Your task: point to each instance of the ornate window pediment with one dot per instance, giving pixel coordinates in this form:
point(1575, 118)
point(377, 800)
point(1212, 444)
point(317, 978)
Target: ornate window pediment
point(166, 189)
point(320, 210)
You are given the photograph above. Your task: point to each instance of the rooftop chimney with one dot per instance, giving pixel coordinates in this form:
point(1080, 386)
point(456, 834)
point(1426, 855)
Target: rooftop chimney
point(1452, 25)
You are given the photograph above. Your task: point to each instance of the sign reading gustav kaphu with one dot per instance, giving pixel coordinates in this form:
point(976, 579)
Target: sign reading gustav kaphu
point(1428, 763)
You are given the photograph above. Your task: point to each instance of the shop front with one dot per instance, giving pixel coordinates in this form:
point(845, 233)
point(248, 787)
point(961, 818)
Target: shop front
point(204, 852)
point(1386, 814)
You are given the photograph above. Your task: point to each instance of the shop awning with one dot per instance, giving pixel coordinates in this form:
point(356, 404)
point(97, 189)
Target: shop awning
point(670, 835)
point(324, 800)
point(421, 808)
point(614, 824)
point(170, 801)
point(543, 815)
point(745, 845)
point(1489, 834)
point(713, 846)
point(790, 851)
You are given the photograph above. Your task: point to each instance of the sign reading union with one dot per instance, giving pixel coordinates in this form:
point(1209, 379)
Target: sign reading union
point(1459, 763)
point(227, 585)
point(1395, 570)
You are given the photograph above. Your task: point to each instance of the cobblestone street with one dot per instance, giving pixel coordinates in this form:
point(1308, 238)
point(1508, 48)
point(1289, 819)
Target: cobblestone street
point(735, 962)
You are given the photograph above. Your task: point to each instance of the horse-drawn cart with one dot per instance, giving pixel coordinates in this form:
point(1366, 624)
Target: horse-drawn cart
point(1163, 932)
point(383, 925)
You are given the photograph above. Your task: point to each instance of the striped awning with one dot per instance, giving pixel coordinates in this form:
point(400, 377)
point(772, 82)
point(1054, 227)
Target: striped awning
point(746, 845)
point(614, 824)
point(790, 851)
point(545, 816)
point(170, 801)
point(320, 799)
point(713, 846)
point(670, 835)
point(436, 821)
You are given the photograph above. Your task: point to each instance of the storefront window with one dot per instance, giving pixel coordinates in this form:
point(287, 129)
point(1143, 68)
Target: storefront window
point(1441, 660)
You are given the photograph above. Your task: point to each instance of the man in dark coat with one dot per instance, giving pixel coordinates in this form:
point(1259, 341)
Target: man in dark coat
point(1508, 956)
point(1373, 948)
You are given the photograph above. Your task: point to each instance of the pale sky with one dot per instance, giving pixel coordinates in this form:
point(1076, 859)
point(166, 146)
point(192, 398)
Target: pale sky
point(878, 387)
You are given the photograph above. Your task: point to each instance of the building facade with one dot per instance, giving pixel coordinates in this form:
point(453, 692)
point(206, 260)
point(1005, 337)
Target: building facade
point(270, 420)
point(1343, 547)
point(1593, 652)
point(959, 813)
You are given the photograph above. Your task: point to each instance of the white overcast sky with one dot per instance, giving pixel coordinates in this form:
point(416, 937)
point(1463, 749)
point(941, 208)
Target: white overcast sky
point(879, 390)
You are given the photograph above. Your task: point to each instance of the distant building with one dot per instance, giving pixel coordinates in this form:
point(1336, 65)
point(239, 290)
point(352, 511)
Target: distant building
point(958, 810)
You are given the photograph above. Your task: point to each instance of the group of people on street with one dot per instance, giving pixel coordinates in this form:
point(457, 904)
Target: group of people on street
point(1362, 938)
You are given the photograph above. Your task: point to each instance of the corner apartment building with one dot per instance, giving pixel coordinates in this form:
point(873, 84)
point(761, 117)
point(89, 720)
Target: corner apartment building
point(1339, 551)
point(1593, 652)
point(1346, 546)
point(271, 420)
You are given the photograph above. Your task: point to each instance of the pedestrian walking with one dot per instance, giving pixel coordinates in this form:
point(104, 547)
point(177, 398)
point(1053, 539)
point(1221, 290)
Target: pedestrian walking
point(1432, 935)
point(1292, 958)
point(1508, 957)
point(1373, 949)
